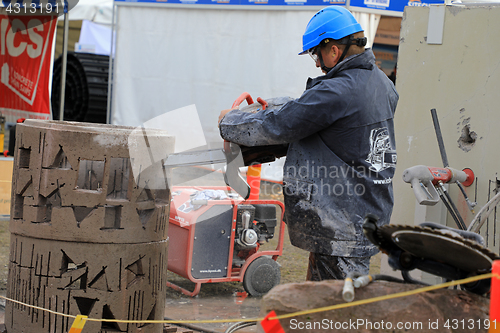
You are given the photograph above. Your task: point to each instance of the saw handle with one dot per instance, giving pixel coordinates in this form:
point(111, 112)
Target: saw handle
point(239, 100)
point(262, 102)
point(246, 96)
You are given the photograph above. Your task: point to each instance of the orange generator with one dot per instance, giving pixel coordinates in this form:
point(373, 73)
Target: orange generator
point(215, 236)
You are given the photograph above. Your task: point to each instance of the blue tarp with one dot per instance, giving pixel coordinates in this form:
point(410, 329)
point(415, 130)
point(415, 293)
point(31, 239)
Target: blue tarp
point(323, 3)
point(390, 5)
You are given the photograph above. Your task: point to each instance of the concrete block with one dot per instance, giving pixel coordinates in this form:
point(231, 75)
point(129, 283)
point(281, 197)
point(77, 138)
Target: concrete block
point(88, 236)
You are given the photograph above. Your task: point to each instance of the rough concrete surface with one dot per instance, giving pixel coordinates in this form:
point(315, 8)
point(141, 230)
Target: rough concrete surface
point(89, 220)
point(424, 313)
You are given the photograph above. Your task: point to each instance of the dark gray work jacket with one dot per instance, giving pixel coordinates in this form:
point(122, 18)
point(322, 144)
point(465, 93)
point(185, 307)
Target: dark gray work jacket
point(341, 157)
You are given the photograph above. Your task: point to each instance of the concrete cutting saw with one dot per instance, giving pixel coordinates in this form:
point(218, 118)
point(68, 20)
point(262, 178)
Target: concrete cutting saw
point(216, 232)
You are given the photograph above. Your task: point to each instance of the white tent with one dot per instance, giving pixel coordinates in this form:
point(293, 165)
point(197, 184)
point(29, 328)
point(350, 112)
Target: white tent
point(97, 11)
point(168, 57)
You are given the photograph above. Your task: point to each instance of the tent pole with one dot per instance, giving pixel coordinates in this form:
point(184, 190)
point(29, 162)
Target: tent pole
point(64, 64)
point(110, 71)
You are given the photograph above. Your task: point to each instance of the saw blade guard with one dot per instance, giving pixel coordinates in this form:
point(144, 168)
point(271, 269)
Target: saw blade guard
point(443, 251)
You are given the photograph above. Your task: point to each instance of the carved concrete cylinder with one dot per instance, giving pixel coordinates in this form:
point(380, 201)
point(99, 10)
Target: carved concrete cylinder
point(89, 218)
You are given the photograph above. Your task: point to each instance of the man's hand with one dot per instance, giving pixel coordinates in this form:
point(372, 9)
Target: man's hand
point(223, 113)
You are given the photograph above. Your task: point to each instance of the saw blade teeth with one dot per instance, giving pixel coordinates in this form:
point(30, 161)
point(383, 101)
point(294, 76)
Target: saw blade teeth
point(388, 230)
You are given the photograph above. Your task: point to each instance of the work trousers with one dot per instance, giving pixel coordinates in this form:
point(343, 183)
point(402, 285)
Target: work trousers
point(325, 267)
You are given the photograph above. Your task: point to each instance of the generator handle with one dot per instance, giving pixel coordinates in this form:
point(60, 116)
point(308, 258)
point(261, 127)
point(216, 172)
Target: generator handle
point(246, 96)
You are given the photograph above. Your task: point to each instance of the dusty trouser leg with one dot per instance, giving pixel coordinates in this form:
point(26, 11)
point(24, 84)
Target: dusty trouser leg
point(325, 267)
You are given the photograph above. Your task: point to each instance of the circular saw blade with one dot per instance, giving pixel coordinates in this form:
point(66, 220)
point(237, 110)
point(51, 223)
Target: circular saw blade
point(434, 244)
point(443, 249)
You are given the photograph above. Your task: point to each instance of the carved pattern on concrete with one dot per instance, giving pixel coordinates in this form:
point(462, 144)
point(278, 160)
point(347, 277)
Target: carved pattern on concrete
point(86, 237)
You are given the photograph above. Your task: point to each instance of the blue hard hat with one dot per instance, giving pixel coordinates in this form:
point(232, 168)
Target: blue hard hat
point(331, 22)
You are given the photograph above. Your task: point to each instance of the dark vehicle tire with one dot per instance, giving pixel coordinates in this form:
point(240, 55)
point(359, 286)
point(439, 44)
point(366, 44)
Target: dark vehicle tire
point(261, 276)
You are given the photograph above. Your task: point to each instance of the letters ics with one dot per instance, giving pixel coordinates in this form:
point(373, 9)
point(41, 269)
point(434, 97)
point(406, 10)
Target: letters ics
point(13, 44)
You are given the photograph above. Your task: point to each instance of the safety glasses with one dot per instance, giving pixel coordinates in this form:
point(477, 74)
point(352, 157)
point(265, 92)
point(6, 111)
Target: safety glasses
point(313, 52)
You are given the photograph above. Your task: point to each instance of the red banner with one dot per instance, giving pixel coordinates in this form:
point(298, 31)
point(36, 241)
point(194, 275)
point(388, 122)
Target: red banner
point(25, 63)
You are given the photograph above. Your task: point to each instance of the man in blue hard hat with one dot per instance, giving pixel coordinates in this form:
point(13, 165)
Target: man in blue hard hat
point(341, 156)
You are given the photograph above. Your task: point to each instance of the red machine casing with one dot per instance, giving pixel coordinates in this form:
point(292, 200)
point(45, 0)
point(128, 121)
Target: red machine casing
point(202, 237)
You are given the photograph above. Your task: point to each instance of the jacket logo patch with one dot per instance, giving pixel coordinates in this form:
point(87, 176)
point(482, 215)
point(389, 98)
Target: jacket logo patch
point(382, 155)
